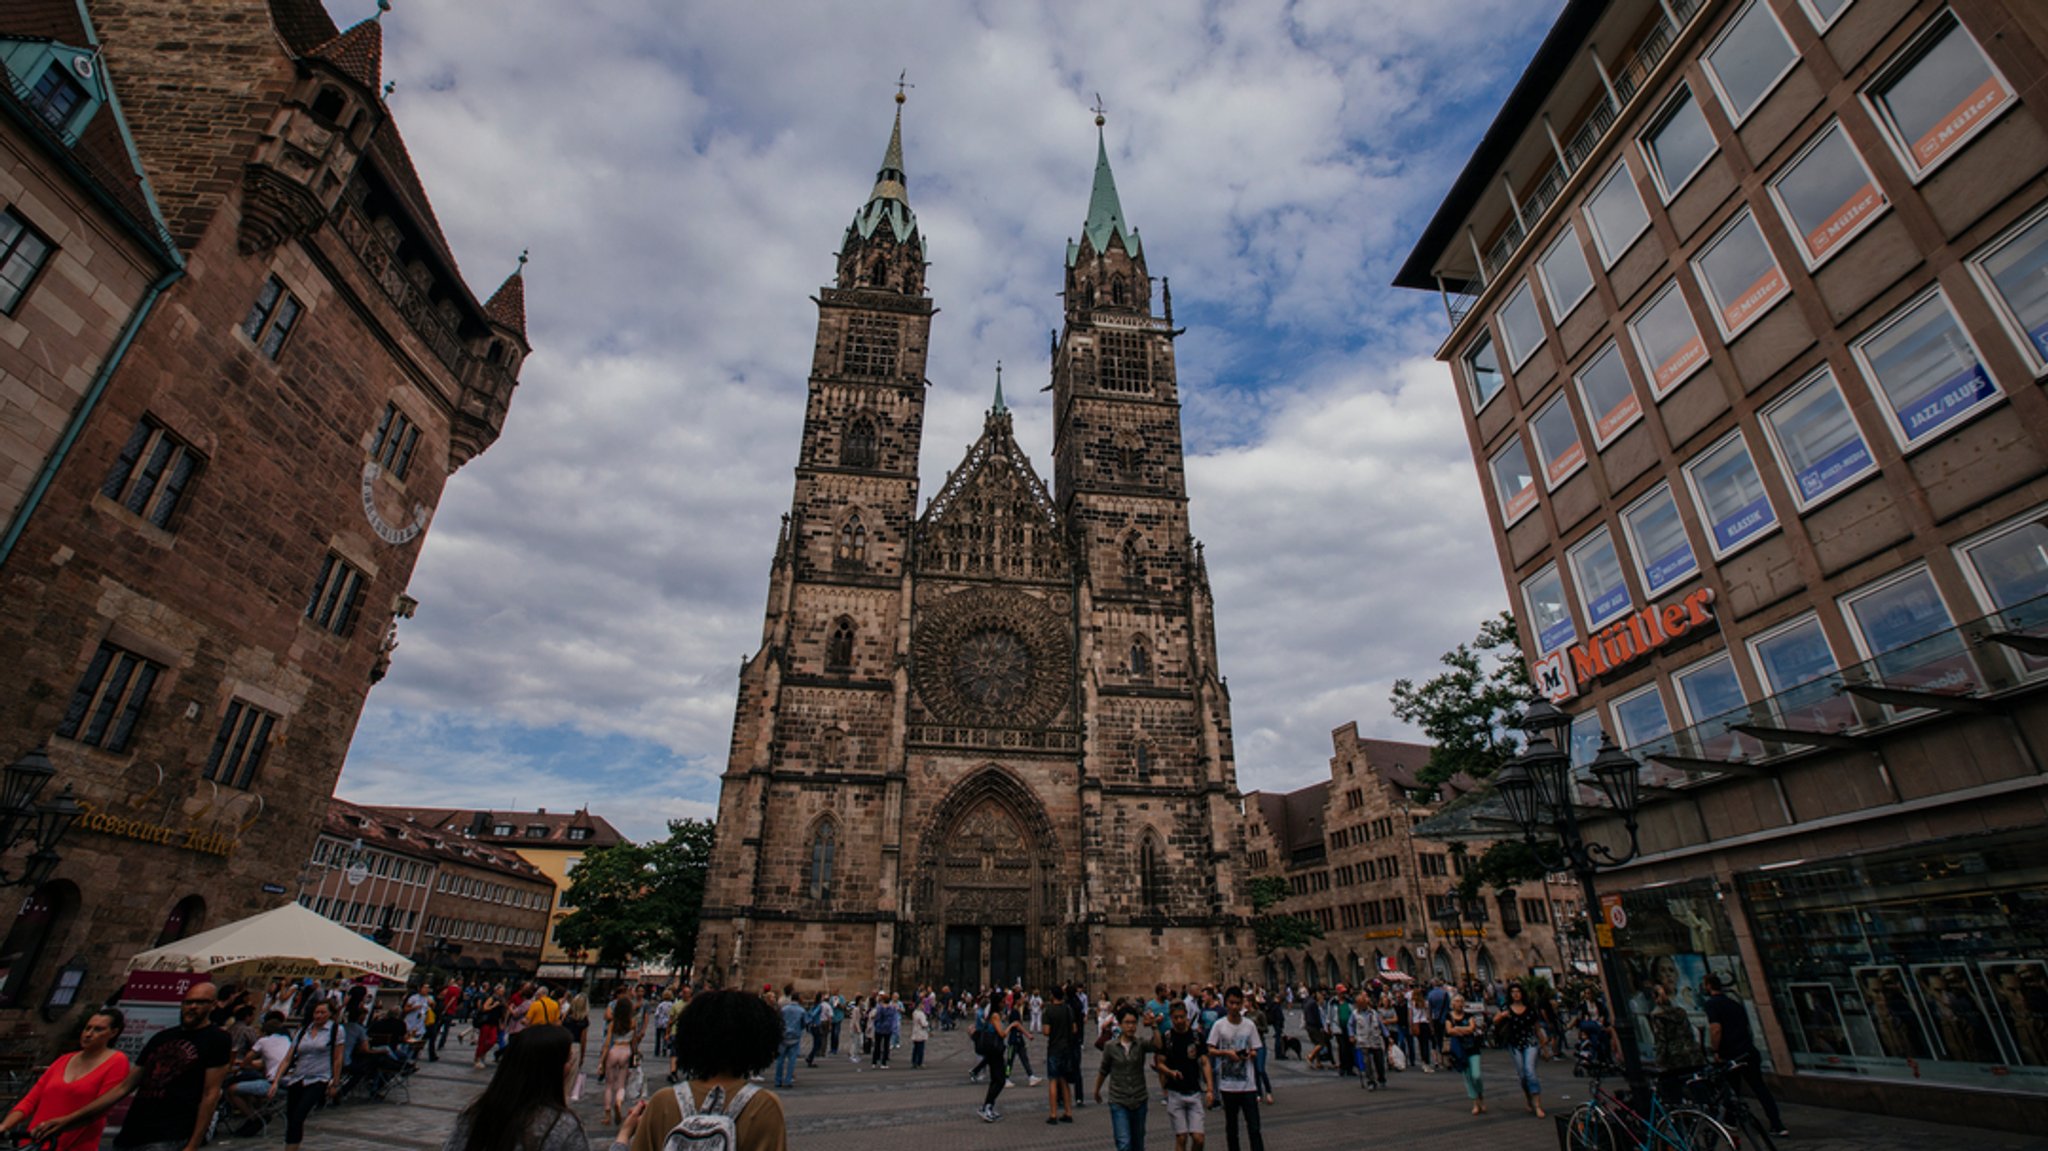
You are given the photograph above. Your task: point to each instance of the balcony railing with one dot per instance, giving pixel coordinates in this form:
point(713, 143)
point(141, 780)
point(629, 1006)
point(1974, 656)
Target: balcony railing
point(1628, 82)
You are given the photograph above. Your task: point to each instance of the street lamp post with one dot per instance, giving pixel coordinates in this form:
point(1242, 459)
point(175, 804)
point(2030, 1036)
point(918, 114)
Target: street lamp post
point(22, 818)
point(1451, 919)
point(1542, 797)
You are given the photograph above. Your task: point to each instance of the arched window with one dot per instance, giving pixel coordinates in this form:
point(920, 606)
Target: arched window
point(187, 919)
point(832, 748)
point(1441, 964)
point(1287, 972)
point(1141, 658)
point(1134, 562)
point(1116, 291)
point(44, 918)
point(1330, 966)
point(1142, 757)
point(824, 850)
point(858, 450)
point(328, 105)
point(852, 552)
point(1151, 874)
point(839, 648)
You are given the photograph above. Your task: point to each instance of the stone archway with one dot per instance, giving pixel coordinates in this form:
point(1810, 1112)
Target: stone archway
point(987, 902)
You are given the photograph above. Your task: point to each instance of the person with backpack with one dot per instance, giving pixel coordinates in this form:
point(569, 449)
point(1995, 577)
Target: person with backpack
point(721, 1038)
point(523, 1106)
point(310, 1073)
point(992, 1042)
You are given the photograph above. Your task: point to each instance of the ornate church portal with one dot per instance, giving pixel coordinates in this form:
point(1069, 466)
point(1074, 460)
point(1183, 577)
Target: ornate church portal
point(985, 744)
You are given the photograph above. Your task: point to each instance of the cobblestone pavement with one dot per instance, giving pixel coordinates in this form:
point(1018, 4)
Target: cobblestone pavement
point(841, 1106)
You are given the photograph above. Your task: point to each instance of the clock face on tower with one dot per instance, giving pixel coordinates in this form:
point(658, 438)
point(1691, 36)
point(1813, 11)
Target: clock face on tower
point(992, 668)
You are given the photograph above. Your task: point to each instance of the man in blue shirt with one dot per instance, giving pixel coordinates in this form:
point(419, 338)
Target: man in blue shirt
point(888, 1018)
point(792, 1036)
point(1439, 1016)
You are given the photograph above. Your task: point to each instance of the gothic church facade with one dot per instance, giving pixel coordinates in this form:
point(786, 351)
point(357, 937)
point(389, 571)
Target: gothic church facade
point(988, 743)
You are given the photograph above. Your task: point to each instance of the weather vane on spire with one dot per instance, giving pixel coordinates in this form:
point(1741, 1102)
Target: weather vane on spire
point(383, 6)
point(902, 82)
point(1100, 111)
point(522, 258)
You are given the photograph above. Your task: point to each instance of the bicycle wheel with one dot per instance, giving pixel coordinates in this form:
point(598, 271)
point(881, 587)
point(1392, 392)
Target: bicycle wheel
point(1591, 1130)
point(1691, 1130)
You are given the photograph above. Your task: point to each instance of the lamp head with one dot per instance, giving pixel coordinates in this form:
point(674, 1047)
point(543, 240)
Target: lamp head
point(1619, 776)
point(1517, 790)
point(25, 777)
point(1550, 770)
point(1545, 720)
point(55, 818)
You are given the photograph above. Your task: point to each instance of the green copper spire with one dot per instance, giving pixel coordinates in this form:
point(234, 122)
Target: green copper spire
point(890, 201)
point(999, 407)
point(1105, 211)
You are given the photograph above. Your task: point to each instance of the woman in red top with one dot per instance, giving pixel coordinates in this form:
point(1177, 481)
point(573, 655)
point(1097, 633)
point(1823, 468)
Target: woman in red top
point(71, 1084)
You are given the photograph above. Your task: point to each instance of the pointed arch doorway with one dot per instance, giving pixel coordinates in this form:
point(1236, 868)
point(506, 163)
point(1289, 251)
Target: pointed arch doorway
point(987, 877)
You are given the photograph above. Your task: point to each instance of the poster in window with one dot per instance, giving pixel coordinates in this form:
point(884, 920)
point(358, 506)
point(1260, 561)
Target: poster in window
point(2019, 992)
point(1836, 469)
point(1951, 130)
point(1754, 300)
point(1678, 364)
point(1819, 1016)
point(1955, 1006)
point(1953, 397)
point(1901, 1029)
point(1744, 523)
point(1845, 220)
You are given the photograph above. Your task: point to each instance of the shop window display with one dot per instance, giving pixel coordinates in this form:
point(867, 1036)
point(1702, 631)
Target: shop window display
point(1677, 935)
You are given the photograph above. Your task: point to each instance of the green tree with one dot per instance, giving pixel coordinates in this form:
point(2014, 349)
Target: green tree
point(1501, 866)
point(1466, 711)
point(1273, 932)
point(640, 900)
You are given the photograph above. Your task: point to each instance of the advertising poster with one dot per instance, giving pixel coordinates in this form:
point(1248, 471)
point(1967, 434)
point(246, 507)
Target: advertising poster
point(1979, 104)
point(1834, 469)
point(1753, 302)
point(1819, 1015)
point(1861, 206)
point(1744, 522)
point(1953, 397)
point(1678, 365)
point(1894, 1013)
point(1962, 1025)
point(2019, 993)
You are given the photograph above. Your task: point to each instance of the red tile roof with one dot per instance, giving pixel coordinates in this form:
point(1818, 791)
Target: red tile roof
point(507, 305)
point(475, 823)
point(375, 827)
point(359, 53)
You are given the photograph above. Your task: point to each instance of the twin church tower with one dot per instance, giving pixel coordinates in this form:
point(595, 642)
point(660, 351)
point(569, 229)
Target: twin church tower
point(989, 743)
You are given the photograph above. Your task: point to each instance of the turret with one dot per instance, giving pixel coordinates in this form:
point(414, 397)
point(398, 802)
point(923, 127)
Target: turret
point(882, 250)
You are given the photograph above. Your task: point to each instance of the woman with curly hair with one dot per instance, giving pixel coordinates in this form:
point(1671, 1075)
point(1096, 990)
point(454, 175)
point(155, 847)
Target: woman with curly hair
point(721, 1038)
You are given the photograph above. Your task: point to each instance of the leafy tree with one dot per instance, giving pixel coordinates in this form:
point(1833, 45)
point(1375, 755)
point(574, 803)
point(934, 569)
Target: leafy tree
point(1273, 932)
point(1501, 866)
point(640, 899)
point(1467, 710)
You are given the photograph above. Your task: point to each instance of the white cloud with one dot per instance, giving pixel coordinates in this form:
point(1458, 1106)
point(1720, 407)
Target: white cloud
point(683, 174)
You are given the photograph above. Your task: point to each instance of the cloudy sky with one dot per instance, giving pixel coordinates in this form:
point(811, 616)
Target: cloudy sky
point(683, 174)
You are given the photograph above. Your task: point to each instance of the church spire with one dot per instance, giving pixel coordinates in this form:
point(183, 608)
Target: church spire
point(881, 248)
point(999, 407)
point(1105, 211)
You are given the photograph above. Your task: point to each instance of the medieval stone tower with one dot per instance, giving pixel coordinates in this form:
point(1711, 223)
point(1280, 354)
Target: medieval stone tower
point(988, 743)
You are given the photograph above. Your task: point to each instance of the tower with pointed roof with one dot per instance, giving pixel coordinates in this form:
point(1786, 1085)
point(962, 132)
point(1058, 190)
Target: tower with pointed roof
point(969, 751)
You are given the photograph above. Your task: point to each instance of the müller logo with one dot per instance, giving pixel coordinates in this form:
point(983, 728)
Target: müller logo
point(1559, 674)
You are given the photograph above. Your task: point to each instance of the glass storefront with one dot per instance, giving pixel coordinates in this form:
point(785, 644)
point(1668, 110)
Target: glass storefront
point(1924, 964)
point(1676, 934)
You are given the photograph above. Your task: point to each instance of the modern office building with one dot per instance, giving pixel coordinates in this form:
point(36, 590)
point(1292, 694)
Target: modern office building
point(1749, 321)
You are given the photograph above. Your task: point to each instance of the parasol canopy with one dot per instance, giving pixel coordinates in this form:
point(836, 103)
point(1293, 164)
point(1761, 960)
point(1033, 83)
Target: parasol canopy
point(289, 942)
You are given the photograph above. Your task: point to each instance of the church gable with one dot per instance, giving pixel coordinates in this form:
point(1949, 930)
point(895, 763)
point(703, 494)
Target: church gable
point(993, 519)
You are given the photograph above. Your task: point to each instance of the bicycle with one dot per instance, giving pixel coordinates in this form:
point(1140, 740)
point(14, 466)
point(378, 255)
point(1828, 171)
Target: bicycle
point(1712, 1089)
point(1605, 1123)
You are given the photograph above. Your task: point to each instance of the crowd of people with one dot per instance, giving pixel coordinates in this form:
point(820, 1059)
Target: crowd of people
point(1198, 1049)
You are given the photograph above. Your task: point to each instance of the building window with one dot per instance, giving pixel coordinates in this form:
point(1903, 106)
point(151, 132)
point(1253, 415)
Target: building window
point(824, 850)
point(1668, 340)
point(271, 318)
point(871, 343)
point(1656, 536)
point(1566, 278)
point(1557, 442)
point(1730, 495)
point(1513, 482)
point(1151, 875)
point(109, 699)
point(1133, 563)
point(1610, 399)
point(337, 594)
point(1596, 571)
point(1616, 214)
point(579, 833)
point(1584, 736)
point(1901, 612)
point(1709, 688)
point(2008, 565)
point(1749, 59)
point(1640, 717)
point(1678, 144)
point(1827, 195)
point(1817, 440)
point(1482, 372)
point(1544, 595)
point(2013, 272)
point(1141, 658)
point(1796, 655)
point(239, 745)
point(56, 97)
point(1937, 95)
point(1741, 278)
point(150, 475)
point(23, 252)
point(839, 647)
point(851, 554)
point(1521, 326)
point(859, 449)
point(1120, 362)
point(1823, 12)
point(396, 437)
point(1925, 369)
point(536, 831)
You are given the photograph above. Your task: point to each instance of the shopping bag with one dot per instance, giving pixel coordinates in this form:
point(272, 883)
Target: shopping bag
point(1396, 1058)
point(636, 1086)
point(576, 1088)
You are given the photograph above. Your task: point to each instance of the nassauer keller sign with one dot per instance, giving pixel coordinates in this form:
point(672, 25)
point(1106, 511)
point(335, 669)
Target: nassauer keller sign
point(1562, 674)
point(99, 819)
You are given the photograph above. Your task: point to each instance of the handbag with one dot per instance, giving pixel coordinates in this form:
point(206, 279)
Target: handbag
point(1458, 1054)
point(636, 1086)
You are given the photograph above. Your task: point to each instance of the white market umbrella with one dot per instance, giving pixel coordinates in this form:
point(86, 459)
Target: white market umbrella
point(289, 942)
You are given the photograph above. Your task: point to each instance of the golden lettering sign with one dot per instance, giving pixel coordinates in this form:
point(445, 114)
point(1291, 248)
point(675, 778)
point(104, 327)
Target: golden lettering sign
point(187, 838)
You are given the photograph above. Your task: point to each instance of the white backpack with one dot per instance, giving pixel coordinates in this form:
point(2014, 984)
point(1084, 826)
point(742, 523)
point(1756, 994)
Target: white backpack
point(712, 1129)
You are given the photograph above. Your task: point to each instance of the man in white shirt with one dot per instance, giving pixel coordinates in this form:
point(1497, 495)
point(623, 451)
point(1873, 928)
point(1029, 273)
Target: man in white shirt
point(416, 1007)
point(1234, 1043)
point(260, 1065)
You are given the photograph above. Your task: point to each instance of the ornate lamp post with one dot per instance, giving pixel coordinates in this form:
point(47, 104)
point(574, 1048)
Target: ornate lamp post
point(22, 818)
point(1542, 798)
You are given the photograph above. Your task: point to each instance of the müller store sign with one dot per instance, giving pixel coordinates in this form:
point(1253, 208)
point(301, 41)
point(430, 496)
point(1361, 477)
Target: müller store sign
point(1611, 650)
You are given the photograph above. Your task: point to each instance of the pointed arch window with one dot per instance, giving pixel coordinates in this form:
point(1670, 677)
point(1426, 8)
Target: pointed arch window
point(1151, 874)
point(1133, 563)
point(1142, 758)
point(839, 647)
point(852, 551)
point(824, 858)
point(1117, 291)
point(858, 449)
point(1141, 658)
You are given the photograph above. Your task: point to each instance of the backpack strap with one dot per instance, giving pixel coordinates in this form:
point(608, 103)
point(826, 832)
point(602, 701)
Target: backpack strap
point(685, 1099)
point(740, 1099)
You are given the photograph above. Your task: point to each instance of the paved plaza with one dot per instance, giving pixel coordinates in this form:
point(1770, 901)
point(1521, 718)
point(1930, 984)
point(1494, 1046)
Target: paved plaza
point(843, 1107)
